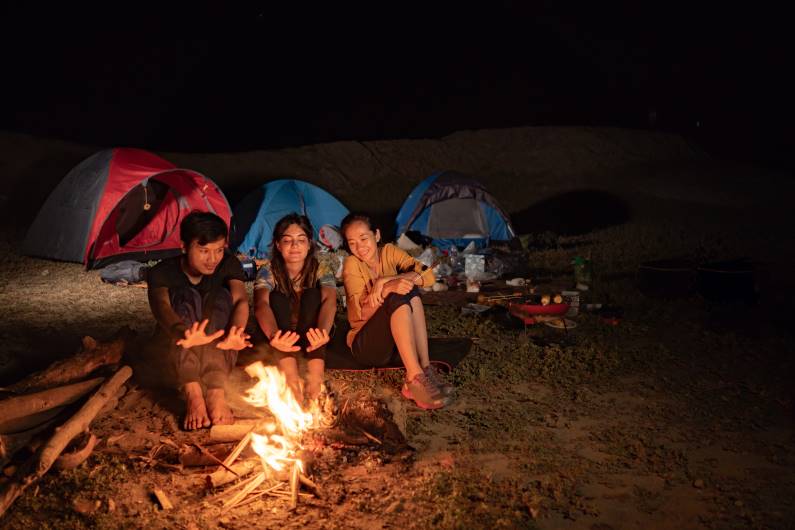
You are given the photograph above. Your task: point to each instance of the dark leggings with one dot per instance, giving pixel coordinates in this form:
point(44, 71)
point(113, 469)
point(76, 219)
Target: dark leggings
point(206, 364)
point(374, 344)
point(282, 306)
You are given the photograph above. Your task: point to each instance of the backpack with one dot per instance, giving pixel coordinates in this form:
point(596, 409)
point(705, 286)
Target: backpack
point(127, 271)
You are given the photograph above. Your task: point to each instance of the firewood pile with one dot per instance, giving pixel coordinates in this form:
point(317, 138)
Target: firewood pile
point(49, 413)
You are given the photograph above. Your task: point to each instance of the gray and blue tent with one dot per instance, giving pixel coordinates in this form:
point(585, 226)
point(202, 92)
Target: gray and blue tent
point(454, 209)
point(257, 214)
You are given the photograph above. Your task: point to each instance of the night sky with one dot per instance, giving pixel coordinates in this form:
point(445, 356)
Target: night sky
point(257, 77)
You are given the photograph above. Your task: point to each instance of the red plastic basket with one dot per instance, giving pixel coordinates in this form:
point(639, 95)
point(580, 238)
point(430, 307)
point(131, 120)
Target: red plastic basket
point(526, 312)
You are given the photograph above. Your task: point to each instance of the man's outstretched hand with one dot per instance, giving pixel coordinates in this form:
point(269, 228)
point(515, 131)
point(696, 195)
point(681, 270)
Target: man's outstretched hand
point(195, 335)
point(236, 339)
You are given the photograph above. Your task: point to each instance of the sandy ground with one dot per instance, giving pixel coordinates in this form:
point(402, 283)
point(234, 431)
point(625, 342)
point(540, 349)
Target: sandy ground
point(679, 417)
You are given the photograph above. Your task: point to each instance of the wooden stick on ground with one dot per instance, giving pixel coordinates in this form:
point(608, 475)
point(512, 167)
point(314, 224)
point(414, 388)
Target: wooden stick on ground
point(17, 407)
point(11, 443)
point(294, 485)
point(213, 457)
point(191, 456)
point(163, 499)
point(93, 355)
point(251, 486)
point(230, 433)
point(222, 476)
point(37, 466)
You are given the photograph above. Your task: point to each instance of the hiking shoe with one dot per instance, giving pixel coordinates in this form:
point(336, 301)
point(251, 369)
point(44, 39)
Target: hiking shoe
point(444, 387)
point(424, 393)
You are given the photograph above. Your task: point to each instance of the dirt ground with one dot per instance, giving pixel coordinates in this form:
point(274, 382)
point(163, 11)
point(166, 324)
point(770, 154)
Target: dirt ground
point(679, 416)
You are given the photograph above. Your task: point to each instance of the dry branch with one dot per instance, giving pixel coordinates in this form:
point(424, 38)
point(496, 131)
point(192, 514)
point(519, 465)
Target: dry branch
point(93, 355)
point(163, 499)
point(192, 456)
point(37, 466)
point(251, 486)
point(16, 407)
point(73, 459)
point(11, 443)
point(222, 476)
point(294, 485)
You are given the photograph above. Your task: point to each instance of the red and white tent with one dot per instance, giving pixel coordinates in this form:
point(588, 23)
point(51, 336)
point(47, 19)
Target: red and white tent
point(120, 204)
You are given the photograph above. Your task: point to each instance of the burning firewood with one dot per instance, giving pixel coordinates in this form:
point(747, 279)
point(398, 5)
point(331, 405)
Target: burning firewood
point(93, 355)
point(40, 463)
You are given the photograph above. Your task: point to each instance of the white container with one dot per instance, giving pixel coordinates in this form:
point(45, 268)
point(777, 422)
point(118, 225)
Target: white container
point(474, 265)
point(573, 299)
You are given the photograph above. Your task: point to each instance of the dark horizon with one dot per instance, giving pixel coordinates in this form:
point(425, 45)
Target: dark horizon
point(249, 77)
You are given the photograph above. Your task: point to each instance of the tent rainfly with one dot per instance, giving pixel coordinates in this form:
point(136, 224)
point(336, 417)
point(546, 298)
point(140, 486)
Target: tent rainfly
point(120, 204)
point(257, 214)
point(453, 209)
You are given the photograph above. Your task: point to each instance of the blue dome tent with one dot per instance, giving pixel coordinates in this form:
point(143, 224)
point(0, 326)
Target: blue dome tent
point(453, 209)
point(258, 212)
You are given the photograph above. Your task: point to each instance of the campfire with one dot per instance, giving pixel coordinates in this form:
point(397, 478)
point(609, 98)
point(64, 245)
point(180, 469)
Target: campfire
point(276, 442)
point(276, 451)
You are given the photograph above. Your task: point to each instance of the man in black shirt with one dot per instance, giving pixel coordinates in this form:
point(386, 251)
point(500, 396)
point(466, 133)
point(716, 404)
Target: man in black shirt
point(196, 298)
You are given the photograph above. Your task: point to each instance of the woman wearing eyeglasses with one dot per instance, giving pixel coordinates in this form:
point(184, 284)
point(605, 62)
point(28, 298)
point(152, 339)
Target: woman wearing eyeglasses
point(295, 303)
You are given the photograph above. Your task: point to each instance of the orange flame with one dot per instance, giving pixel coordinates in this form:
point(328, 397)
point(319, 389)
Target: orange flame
point(271, 391)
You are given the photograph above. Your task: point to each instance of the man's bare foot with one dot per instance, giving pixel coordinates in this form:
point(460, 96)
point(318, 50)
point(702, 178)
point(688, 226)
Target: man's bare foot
point(195, 409)
point(220, 413)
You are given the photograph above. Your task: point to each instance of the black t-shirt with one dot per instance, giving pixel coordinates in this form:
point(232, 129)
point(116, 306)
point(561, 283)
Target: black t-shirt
point(168, 273)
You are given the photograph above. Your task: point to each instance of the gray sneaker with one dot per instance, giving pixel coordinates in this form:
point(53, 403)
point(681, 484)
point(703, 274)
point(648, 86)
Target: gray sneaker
point(444, 387)
point(424, 393)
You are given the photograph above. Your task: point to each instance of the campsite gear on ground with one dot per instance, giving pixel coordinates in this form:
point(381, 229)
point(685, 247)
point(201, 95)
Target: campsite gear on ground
point(329, 236)
point(667, 278)
point(249, 267)
point(474, 309)
point(582, 273)
point(473, 286)
point(124, 272)
point(528, 313)
point(474, 264)
point(439, 286)
point(257, 214)
point(471, 248)
point(405, 243)
point(558, 323)
point(429, 257)
point(573, 299)
point(120, 204)
point(453, 209)
point(727, 282)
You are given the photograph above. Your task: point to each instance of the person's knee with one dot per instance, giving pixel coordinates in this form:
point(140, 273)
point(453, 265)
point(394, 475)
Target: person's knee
point(187, 303)
point(395, 301)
